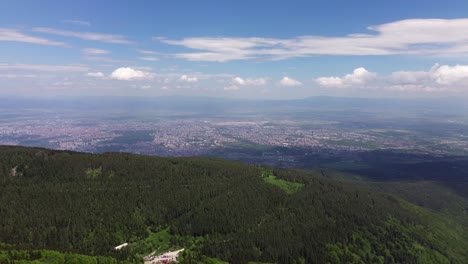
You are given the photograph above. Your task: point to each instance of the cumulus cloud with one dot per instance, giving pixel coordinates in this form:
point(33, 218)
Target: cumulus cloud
point(411, 36)
point(439, 78)
point(187, 78)
point(360, 76)
point(239, 81)
point(286, 81)
point(109, 38)
point(15, 35)
point(93, 51)
point(127, 73)
point(330, 81)
point(408, 77)
point(445, 74)
point(95, 74)
point(252, 82)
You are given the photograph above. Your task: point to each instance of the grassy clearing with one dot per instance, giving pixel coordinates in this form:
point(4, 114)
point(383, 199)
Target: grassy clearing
point(159, 242)
point(288, 187)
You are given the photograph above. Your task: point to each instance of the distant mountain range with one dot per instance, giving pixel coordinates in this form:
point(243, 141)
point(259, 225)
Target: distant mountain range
point(207, 104)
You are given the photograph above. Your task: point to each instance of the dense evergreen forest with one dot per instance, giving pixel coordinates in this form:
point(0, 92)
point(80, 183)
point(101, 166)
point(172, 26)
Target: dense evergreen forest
point(75, 208)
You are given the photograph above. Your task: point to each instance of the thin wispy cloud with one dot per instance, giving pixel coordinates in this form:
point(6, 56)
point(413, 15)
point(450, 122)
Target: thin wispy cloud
point(108, 38)
point(44, 67)
point(408, 37)
point(249, 81)
point(149, 58)
point(149, 52)
point(232, 88)
point(15, 35)
point(15, 76)
point(186, 78)
point(95, 74)
point(77, 22)
point(93, 51)
point(98, 58)
point(150, 55)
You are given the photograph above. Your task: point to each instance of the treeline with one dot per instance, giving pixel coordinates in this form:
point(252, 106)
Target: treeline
point(88, 204)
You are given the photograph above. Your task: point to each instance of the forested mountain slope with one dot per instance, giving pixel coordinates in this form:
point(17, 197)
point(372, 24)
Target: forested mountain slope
point(88, 204)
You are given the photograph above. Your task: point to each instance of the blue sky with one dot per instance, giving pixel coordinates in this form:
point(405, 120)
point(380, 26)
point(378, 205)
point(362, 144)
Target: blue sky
point(242, 49)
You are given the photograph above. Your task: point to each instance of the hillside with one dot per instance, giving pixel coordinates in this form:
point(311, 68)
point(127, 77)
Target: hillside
point(78, 203)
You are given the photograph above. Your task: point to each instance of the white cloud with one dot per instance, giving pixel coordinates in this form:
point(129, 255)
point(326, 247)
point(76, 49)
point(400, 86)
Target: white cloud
point(95, 74)
point(438, 75)
point(93, 51)
point(77, 22)
point(148, 52)
point(411, 36)
point(42, 67)
point(14, 76)
point(141, 87)
point(127, 73)
point(286, 81)
point(109, 38)
point(232, 88)
point(14, 35)
point(444, 74)
point(252, 82)
point(219, 49)
point(440, 78)
point(257, 82)
point(360, 76)
point(330, 81)
point(416, 88)
point(149, 58)
point(239, 80)
point(409, 77)
point(187, 78)
point(104, 59)
point(211, 56)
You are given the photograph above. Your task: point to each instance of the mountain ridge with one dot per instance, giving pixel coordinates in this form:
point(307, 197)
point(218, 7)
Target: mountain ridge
point(89, 203)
